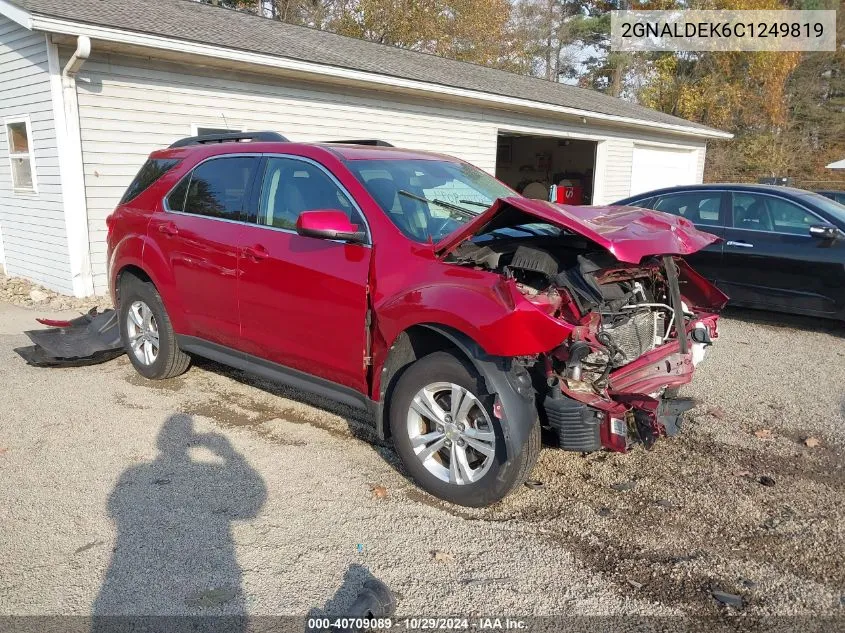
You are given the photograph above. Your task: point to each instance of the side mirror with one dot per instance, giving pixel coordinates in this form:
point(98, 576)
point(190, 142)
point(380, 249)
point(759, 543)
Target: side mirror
point(329, 224)
point(824, 232)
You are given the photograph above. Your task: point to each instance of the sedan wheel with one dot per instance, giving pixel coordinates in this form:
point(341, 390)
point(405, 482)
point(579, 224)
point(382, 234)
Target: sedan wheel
point(451, 433)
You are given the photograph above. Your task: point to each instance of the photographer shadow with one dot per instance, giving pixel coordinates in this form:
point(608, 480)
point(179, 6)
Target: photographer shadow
point(175, 555)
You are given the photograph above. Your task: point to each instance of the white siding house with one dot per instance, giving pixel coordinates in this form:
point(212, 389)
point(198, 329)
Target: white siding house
point(33, 235)
point(147, 81)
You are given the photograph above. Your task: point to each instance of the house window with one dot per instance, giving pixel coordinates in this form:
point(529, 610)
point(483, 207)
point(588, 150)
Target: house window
point(19, 138)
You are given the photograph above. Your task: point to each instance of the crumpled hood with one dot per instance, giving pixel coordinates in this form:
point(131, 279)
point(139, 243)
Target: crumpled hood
point(629, 233)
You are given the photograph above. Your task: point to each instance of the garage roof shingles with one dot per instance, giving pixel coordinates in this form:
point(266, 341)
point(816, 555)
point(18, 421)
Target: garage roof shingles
point(189, 20)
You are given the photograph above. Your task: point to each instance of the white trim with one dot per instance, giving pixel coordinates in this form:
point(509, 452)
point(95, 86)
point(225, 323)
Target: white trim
point(599, 172)
point(663, 145)
point(29, 154)
point(67, 27)
point(71, 172)
point(16, 14)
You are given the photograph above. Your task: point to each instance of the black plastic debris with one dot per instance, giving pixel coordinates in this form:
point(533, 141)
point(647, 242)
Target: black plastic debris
point(766, 481)
point(534, 484)
point(86, 340)
point(374, 601)
point(671, 412)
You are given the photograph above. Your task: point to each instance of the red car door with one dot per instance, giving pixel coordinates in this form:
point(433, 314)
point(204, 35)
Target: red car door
point(199, 236)
point(303, 300)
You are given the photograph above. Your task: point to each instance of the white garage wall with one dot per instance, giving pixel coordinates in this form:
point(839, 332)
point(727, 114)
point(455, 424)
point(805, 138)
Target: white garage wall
point(130, 106)
point(34, 236)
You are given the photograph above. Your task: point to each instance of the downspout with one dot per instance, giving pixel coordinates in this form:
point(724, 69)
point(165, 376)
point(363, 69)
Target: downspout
point(83, 51)
point(76, 208)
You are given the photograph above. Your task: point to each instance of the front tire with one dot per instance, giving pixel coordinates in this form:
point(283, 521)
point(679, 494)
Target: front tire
point(448, 438)
point(146, 331)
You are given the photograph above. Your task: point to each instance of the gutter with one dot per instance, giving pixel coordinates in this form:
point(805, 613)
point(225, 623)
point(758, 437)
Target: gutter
point(121, 36)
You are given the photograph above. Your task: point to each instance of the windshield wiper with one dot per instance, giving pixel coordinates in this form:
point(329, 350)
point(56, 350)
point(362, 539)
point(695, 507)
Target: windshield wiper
point(442, 203)
point(486, 205)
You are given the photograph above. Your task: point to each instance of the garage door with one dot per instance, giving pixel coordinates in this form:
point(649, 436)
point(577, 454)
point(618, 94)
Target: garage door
point(656, 167)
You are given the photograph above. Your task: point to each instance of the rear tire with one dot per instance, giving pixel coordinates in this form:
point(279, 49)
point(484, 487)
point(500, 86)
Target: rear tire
point(146, 331)
point(456, 452)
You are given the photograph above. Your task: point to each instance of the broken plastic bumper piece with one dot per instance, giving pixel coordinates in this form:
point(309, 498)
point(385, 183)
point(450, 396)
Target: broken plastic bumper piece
point(87, 340)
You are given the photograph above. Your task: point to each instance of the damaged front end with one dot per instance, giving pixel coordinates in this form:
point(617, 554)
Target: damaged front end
point(636, 340)
point(638, 330)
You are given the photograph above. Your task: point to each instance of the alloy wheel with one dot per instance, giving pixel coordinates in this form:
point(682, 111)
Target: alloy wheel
point(451, 433)
point(142, 331)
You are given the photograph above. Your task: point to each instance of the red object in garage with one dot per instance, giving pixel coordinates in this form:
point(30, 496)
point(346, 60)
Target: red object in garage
point(567, 194)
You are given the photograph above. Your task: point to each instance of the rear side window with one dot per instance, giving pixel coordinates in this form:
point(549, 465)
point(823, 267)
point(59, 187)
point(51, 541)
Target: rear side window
point(645, 203)
point(701, 207)
point(218, 188)
point(176, 199)
point(151, 171)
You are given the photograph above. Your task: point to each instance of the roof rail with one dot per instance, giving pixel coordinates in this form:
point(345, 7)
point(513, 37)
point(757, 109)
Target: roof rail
point(371, 141)
point(230, 136)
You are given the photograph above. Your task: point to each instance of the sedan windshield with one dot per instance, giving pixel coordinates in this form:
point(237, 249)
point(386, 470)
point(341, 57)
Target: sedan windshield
point(428, 199)
point(830, 206)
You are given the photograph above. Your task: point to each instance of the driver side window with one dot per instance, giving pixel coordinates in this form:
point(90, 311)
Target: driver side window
point(768, 213)
point(291, 186)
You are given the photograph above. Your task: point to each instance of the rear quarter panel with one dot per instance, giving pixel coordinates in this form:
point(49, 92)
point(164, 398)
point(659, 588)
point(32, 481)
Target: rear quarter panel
point(130, 244)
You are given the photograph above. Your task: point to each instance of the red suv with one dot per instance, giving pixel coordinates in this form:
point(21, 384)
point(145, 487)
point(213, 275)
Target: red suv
point(417, 287)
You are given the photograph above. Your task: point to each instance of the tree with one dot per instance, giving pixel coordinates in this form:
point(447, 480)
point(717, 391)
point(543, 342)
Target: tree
point(816, 90)
point(478, 31)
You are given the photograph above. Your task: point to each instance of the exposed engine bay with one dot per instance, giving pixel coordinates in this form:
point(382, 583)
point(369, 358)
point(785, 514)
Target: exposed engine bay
point(628, 305)
point(620, 313)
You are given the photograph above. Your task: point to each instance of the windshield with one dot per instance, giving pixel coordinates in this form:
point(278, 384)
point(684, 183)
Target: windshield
point(830, 206)
point(428, 199)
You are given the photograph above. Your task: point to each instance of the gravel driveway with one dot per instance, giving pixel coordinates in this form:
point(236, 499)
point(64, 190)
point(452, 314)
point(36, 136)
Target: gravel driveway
point(218, 493)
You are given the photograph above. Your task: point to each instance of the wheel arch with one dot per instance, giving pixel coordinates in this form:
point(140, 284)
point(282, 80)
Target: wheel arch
point(129, 269)
point(150, 265)
point(503, 376)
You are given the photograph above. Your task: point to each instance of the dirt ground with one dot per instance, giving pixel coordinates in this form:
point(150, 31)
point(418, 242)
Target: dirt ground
point(219, 493)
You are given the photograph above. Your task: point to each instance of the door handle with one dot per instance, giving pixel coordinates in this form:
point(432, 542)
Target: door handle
point(740, 244)
point(168, 229)
point(257, 252)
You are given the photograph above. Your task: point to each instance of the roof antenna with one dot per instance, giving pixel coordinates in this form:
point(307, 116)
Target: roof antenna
point(225, 122)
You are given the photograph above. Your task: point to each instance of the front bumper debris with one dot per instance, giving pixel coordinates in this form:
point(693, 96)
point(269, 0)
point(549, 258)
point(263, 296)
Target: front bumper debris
point(87, 340)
